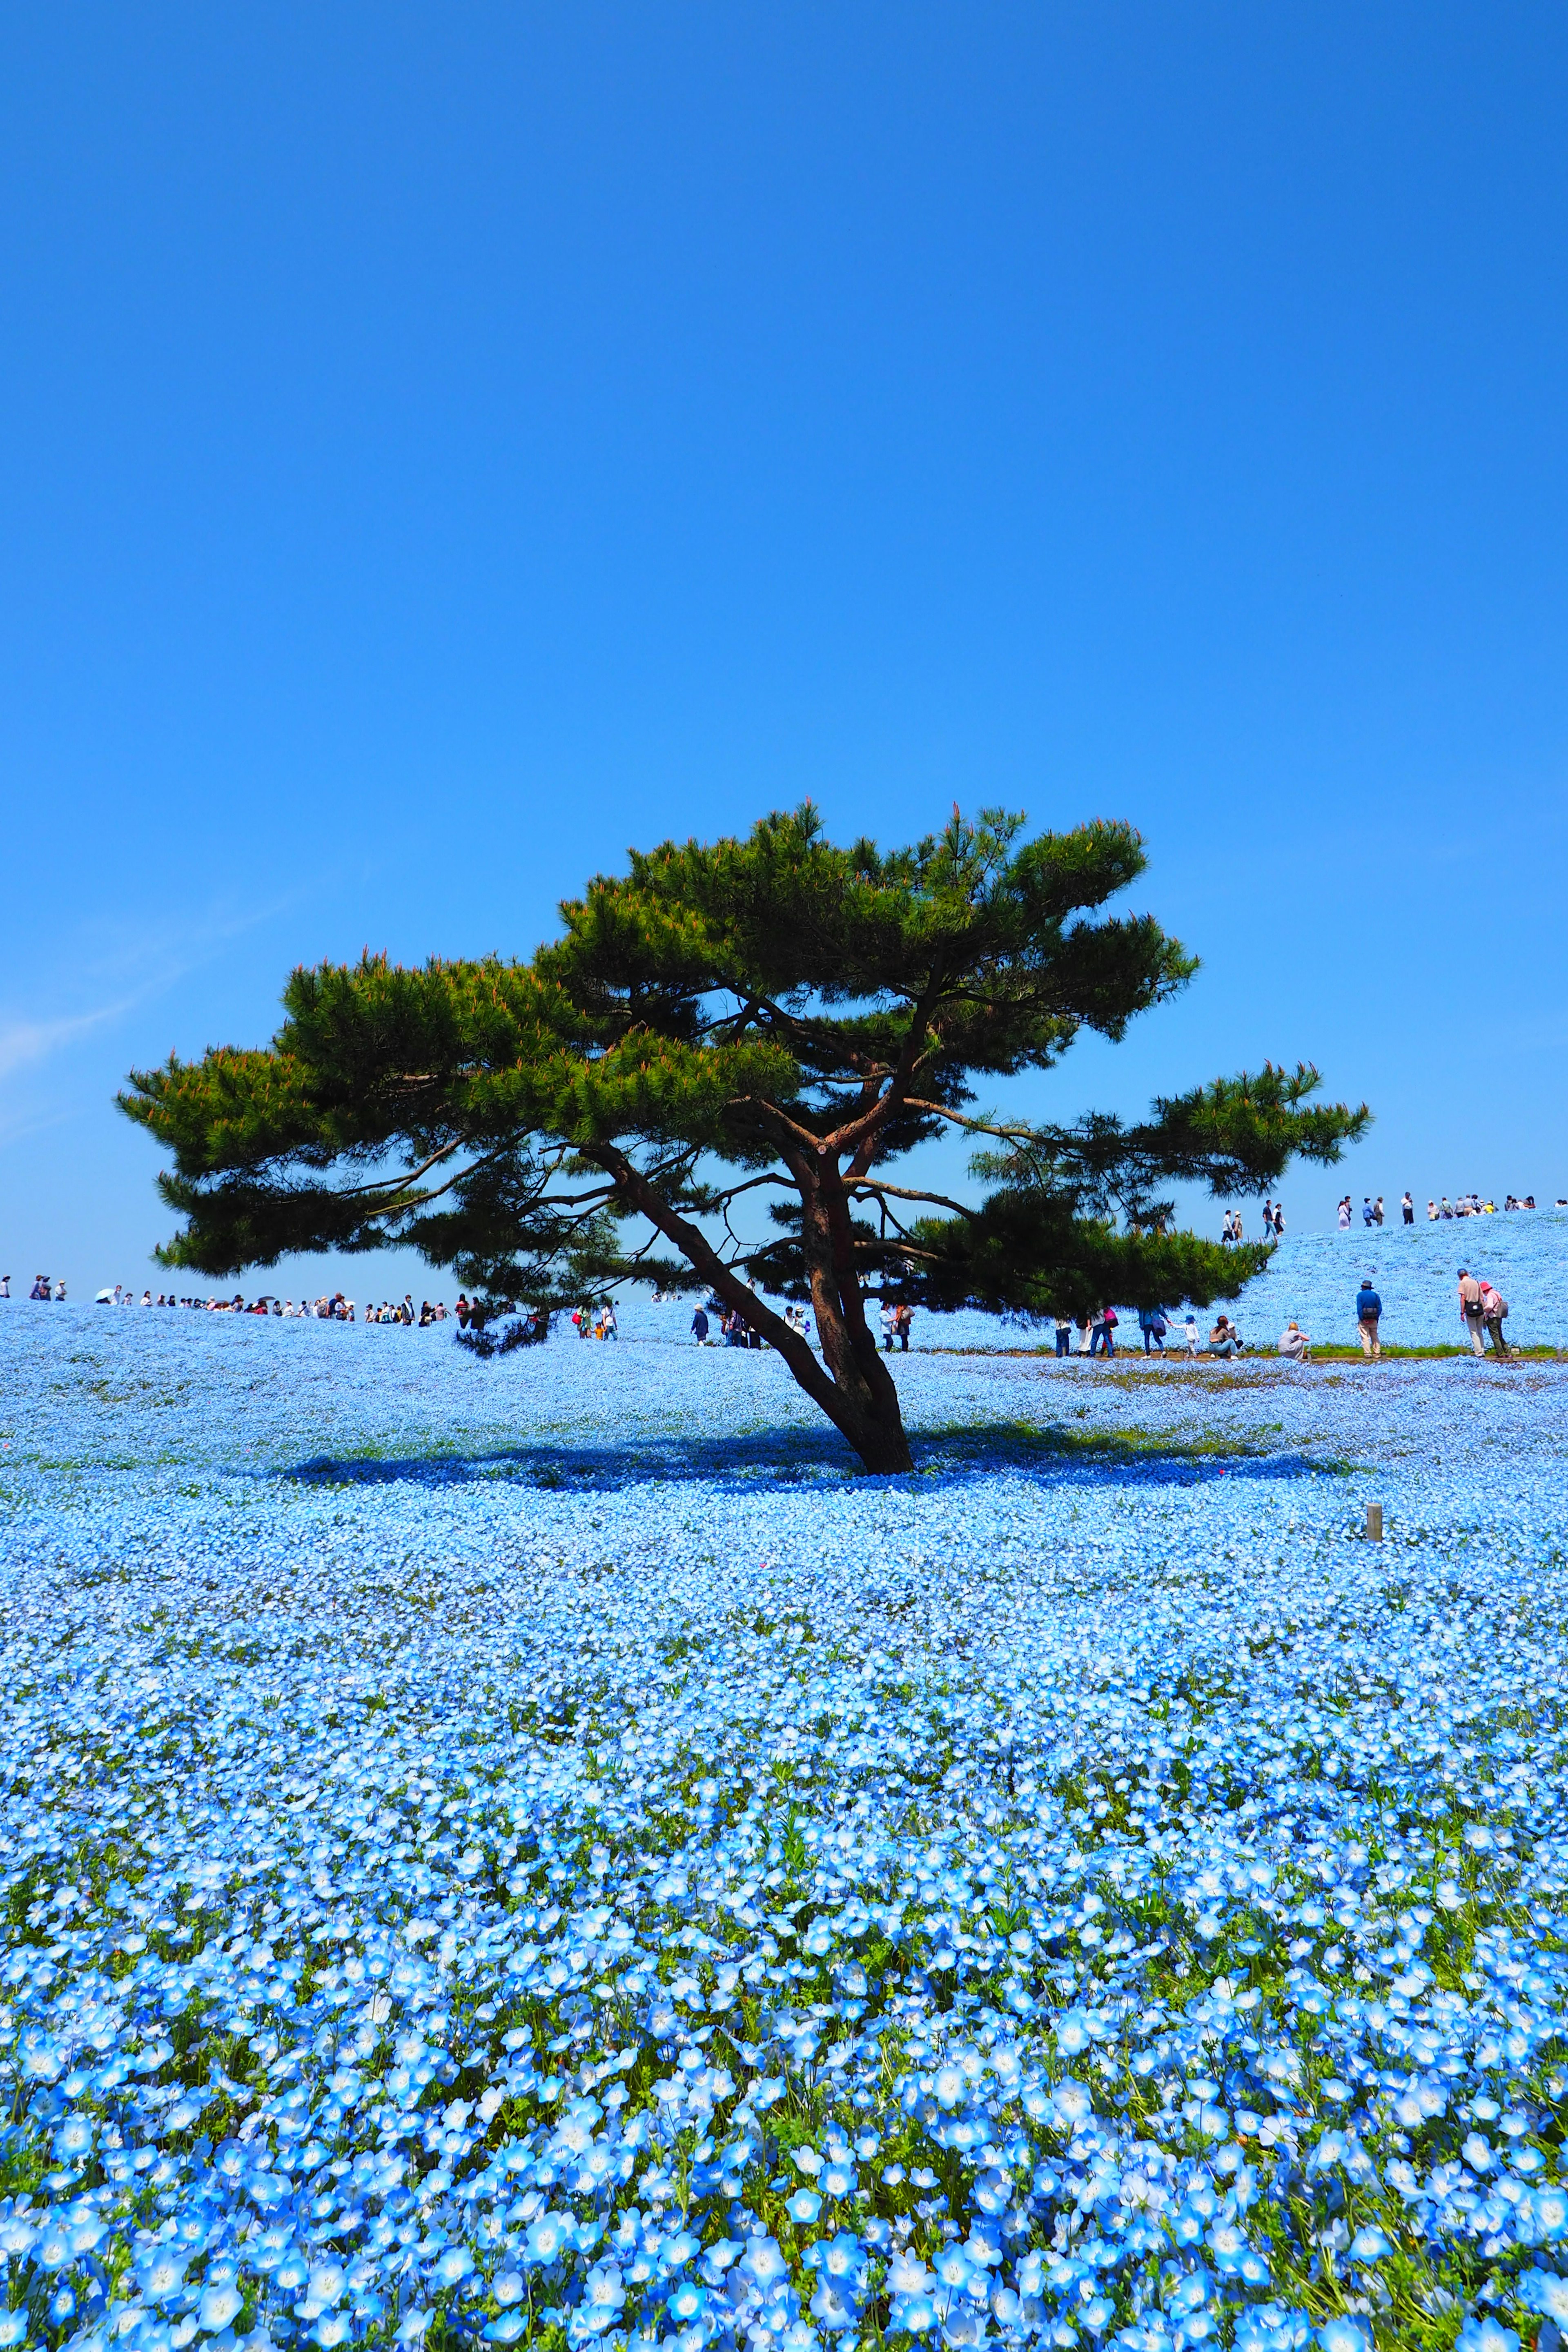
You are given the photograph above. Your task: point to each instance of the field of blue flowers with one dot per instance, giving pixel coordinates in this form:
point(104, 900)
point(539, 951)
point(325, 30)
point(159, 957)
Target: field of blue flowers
point(541, 1852)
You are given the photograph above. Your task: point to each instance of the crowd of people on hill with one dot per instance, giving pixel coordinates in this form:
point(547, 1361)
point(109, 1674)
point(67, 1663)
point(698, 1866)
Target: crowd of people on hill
point(1234, 1230)
point(1087, 1333)
point(1468, 1204)
point(1483, 1310)
point(714, 1325)
point(589, 1325)
point(1093, 1333)
point(334, 1308)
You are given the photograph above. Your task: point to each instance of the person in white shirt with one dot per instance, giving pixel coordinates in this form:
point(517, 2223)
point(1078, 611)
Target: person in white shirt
point(1295, 1344)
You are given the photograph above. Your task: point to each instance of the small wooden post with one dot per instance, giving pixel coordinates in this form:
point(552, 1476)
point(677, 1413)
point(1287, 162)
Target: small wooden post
point(1375, 1522)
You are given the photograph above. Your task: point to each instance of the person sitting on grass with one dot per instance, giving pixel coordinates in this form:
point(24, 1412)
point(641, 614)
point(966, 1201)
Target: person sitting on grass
point(1295, 1344)
point(1224, 1340)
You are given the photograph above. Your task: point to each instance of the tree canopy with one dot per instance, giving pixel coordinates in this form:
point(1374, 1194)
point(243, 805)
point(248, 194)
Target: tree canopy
point(769, 1023)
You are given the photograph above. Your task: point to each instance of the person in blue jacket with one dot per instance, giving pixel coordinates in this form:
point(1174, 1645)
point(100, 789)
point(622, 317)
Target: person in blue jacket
point(1368, 1308)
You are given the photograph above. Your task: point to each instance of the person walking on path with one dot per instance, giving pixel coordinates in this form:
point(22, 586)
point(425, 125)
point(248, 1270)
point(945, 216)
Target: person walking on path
point(1471, 1308)
point(1151, 1323)
point(1064, 1335)
point(1494, 1307)
point(903, 1322)
point(700, 1326)
point(1104, 1333)
point(1368, 1309)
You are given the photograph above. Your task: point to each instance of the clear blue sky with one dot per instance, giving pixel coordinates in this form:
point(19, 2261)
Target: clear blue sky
point(441, 447)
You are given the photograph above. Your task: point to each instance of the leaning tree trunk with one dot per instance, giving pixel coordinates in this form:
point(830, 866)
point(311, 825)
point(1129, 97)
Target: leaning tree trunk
point(874, 1422)
point(856, 1390)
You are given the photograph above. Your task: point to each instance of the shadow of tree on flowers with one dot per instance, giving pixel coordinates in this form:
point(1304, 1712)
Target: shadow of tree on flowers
point(766, 1459)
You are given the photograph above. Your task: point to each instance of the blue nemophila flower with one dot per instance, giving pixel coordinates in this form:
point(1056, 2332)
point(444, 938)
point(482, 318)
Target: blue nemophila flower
point(603, 2296)
point(688, 2301)
point(764, 2263)
point(1546, 2292)
point(1345, 2336)
point(161, 2273)
point(1486, 2335)
point(220, 2305)
point(546, 2238)
point(917, 2314)
point(1550, 2207)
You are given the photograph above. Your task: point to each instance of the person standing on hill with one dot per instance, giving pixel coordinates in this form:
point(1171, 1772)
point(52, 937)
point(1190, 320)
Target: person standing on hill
point(1471, 1308)
point(1494, 1307)
point(1368, 1314)
point(1408, 1207)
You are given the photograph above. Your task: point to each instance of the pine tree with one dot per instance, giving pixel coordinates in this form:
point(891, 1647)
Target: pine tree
point(769, 1020)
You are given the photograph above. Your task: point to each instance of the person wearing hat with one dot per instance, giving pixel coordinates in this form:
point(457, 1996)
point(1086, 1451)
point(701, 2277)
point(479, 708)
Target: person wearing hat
point(1368, 1309)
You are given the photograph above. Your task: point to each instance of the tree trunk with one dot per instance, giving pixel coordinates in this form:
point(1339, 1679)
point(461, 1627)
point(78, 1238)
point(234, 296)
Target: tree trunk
point(856, 1391)
point(874, 1422)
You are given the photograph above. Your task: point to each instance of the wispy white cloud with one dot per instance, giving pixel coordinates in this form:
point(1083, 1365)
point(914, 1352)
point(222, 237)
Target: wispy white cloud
point(22, 1042)
point(140, 961)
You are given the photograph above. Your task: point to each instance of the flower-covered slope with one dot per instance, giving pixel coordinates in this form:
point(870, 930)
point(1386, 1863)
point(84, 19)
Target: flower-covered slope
point(538, 1851)
point(1314, 1277)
